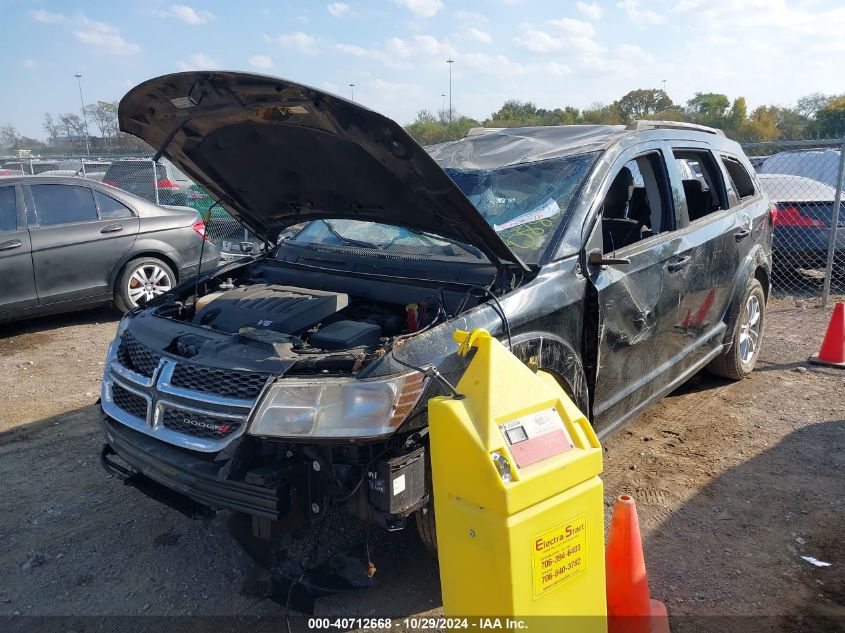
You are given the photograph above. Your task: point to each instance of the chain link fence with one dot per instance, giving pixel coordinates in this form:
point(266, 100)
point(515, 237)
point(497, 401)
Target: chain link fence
point(163, 184)
point(158, 182)
point(803, 179)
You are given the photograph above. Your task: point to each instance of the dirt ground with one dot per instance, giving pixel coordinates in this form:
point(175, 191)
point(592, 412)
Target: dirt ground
point(734, 483)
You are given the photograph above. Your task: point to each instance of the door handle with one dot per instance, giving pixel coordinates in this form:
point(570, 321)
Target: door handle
point(678, 263)
point(7, 246)
point(111, 228)
point(742, 234)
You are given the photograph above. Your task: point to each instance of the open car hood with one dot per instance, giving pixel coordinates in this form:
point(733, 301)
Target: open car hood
point(276, 153)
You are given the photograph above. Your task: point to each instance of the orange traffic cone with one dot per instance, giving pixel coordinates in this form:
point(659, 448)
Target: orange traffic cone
point(832, 352)
point(629, 608)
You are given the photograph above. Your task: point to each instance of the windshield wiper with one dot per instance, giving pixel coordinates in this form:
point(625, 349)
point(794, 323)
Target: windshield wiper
point(472, 250)
point(348, 240)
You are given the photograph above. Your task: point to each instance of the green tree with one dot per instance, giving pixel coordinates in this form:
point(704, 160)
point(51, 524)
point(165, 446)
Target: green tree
point(792, 124)
point(738, 113)
point(428, 129)
point(643, 103)
point(708, 108)
point(9, 138)
point(830, 120)
point(104, 115)
point(762, 125)
point(601, 114)
point(51, 128)
point(810, 104)
point(515, 110)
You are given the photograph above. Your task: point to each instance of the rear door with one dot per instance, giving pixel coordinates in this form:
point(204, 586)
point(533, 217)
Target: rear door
point(717, 227)
point(15, 253)
point(80, 236)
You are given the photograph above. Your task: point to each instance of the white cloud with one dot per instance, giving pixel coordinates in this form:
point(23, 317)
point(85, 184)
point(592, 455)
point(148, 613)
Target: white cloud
point(260, 61)
point(397, 53)
point(686, 5)
point(568, 34)
point(479, 35)
point(559, 70)
point(397, 47)
point(387, 96)
point(298, 41)
point(430, 45)
point(592, 11)
point(105, 37)
point(199, 61)
point(539, 41)
point(187, 14)
point(573, 27)
point(470, 17)
point(495, 64)
point(640, 17)
point(395, 59)
point(28, 63)
point(339, 9)
point(47, 17)
point(421, 8)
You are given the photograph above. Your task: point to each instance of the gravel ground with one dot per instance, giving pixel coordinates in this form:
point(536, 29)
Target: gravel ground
point(734, 483)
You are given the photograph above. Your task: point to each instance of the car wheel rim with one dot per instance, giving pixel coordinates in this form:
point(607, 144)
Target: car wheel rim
point(749, 329)
point(148, 281)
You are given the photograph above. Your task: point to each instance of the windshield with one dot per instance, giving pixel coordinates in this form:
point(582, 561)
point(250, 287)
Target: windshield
point(378, 237)
point(525, 204)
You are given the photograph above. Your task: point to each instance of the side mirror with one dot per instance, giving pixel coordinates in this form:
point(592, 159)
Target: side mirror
point(597, 258)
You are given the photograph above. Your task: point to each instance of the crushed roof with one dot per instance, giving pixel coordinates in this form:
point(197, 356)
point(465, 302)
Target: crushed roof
point(503, 147)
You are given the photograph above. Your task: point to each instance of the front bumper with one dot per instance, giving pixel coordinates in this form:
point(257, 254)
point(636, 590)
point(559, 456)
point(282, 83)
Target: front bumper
point(190, 475)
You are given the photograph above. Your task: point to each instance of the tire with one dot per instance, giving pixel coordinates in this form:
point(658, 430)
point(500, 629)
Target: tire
point(738, 361)
point(160, 276)
point(425, 516)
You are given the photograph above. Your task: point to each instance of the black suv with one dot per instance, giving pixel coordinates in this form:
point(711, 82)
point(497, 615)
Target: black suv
point(622, 260)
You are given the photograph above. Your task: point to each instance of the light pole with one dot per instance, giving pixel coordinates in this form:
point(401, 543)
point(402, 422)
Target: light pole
point(442, 102)
point(450, 61)
point(352, 90)
point(664, 86)
point(84, 117)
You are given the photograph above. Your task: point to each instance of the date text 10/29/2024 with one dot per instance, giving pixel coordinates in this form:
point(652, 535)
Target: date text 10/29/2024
point(419, 623)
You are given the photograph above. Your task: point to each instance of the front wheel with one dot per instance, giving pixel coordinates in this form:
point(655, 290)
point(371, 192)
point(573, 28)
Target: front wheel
point(141, 280)
point(738, 361)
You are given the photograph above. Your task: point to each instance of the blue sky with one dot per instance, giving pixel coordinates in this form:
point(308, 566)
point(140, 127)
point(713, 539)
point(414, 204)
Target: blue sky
point(553, 53)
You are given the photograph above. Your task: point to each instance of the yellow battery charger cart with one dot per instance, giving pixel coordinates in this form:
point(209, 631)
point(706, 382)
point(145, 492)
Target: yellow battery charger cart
point(518, 501)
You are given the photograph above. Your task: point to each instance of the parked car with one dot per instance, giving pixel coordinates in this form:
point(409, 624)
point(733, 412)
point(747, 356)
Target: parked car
point(160, 183)
point(818, 164)
point(30, 166)
point(802, 217)
point(294, 384)
point(68, 243)
point(91, 169)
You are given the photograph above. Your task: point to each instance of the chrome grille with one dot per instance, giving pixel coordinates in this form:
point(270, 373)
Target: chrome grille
point(137, 357)
point(133, 404)
point(219, 382)
point(198, 424)
point(200, 408)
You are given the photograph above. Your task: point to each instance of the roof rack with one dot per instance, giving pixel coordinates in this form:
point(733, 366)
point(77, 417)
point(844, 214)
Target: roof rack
point(645, 124)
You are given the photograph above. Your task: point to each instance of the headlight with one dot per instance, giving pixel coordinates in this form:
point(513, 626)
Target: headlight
point(337, 408)
point(121, 327)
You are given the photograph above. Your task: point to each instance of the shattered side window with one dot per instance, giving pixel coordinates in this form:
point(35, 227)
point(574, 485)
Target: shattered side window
point(525, 204)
